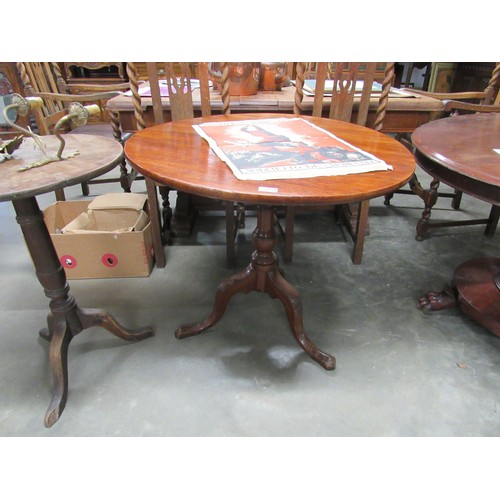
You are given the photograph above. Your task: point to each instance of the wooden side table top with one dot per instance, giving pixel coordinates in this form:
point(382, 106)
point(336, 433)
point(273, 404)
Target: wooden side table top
point(97, 155)
point(174, 154)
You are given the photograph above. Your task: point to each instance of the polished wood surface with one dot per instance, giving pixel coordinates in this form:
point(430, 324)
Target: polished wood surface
point(460, 151)
point(162, 153)
point(464, 145)
point(66, 319)
point(404, 114)
point(452, 103)
point(97, 155)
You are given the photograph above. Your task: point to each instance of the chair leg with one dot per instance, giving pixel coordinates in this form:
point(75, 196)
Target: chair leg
point(60, 196)
point(166, 214)
point(154, 216)
point(361, 227)
point(415, 188)
point(85, 189)
point(240, 215)
point(492, 221)
point(289, 229)
point(456, 200)
point(126, 177)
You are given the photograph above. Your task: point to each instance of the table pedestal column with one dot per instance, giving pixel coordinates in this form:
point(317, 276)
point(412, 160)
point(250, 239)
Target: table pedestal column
point(66, 319)
point(263, 275)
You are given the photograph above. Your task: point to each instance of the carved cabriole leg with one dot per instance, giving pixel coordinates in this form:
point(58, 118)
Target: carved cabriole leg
point(58, 359)
point(244, 282)
point(262, 275)
point(280, 288)
point(65, 319)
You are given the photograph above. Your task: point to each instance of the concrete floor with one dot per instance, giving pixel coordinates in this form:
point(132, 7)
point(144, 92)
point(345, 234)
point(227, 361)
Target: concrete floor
point(399, 372)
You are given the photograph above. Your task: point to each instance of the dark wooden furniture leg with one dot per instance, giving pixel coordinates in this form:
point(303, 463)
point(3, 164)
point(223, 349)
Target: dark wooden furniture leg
point(476, 291)
point(430, 197)
point(263, 275)
point(66, 319)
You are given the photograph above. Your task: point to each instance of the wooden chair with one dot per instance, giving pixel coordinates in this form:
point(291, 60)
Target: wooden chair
point(341, 107)
point(454, 103)
point(178, 80)
point(44, 79)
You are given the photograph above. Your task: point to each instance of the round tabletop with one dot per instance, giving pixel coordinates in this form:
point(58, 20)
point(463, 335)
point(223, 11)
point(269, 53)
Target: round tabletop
point(464, 145)
point(96, 155)
point(173, 154)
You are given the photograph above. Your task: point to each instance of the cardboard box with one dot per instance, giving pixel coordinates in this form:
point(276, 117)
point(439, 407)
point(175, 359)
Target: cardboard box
point(109, 237)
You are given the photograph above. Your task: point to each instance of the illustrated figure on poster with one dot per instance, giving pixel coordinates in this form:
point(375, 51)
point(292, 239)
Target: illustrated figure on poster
point(270, 149)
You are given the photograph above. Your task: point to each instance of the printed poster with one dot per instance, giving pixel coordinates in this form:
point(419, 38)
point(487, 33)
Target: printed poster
point(284, 148)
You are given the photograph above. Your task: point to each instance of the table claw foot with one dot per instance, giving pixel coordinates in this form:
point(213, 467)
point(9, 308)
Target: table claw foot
point(437, 301)
point(98, 317)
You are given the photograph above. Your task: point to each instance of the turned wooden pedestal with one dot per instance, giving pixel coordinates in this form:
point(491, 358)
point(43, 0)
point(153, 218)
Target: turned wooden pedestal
point(66, 319)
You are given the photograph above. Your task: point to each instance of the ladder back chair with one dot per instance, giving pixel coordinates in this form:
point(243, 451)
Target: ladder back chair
point(45, 80)
point(347, 103)
point(178, 80)
point(454, 103)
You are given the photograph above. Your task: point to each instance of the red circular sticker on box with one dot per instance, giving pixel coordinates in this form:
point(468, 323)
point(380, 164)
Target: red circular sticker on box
point(68, 261)
point(109, 260)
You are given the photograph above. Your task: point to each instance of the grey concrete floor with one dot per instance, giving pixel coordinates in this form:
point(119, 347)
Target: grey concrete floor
point(399, 372)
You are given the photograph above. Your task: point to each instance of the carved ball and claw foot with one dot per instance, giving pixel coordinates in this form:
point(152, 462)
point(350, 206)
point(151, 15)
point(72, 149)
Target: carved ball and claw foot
point(262, 275)
point(437, 301)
